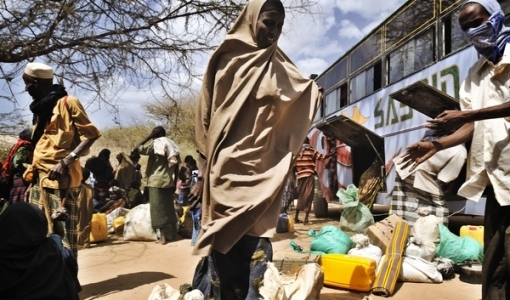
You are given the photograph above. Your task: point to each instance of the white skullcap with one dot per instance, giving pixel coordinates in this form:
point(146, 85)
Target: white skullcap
point(39, 70)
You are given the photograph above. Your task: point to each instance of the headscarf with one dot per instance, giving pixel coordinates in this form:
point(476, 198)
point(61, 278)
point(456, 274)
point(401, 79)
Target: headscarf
point(492, 35)
point(23, 141)
point(125, 172)
point(43, 110)
point(31, 265)
point(253, 113)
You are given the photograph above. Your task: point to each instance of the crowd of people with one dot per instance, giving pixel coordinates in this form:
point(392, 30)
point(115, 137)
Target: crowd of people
point(249, 136)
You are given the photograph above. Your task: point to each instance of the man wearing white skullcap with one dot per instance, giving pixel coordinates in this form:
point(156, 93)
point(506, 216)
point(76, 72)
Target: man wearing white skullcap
point(39, 70)
point(484, 119)
point(62, 133)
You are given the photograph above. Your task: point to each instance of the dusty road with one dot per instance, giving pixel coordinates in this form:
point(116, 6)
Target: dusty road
point(123, 270)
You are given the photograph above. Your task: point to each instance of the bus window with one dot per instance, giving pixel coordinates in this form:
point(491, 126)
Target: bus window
point(453, 38)
point(366, 82)
point(330, 103)
point(411, 57)
point(343, 95)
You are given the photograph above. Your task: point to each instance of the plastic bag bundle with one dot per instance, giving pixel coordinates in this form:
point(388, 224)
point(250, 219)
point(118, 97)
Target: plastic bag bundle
point(164, 292)
point(330, 239)
point(445, 267)
point(137, 226)
point(421, 248)
point(426, 229)
point(356, 217)
point(458, 249)
point(306, 283)
point(363, 248)
point(118, 212)
point(416, 269)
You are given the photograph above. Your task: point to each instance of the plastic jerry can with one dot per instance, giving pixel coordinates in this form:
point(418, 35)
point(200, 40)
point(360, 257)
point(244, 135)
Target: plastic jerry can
point(283, 223)
point(98, 229)
point(118, 225)
point(348, 271)
point(291, 225)
point(475, 232)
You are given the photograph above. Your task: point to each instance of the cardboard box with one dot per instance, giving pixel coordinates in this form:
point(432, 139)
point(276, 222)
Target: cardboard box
point(291, 264)
point(381, 232)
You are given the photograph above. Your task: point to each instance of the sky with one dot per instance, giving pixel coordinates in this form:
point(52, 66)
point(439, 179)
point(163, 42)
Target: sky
point(313, 41)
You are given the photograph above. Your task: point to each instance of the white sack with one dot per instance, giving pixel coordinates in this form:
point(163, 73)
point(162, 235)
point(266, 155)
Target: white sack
point(363, 248)
point(426, 229)
point(137, 224)
point(194, 295)
point(164, 292)
point(305, 284)
point(421, 248)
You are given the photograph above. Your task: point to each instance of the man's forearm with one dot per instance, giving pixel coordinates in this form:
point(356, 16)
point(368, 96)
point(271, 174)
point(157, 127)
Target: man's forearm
point(84, 145)
point(460, 136)
point(491, 112)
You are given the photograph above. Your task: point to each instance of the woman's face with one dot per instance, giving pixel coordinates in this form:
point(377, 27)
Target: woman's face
point(269, 28)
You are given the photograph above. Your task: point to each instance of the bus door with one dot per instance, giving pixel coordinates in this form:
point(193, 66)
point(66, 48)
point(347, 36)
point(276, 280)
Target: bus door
point(366, 146)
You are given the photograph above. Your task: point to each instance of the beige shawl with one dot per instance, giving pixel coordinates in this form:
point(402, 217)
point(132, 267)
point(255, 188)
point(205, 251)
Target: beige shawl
point(125, 172)
point(253, 113)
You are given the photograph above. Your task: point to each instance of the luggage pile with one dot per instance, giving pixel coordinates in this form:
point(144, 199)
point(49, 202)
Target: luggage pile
point(390, 250)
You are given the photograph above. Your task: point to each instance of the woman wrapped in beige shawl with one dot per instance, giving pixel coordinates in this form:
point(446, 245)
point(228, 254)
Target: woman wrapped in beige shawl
point(254, 110)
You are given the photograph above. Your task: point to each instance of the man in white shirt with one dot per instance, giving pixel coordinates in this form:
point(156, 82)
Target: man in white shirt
point(484, 91)
point(420, 192)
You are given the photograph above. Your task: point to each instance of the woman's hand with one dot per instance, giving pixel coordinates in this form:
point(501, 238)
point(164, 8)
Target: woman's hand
point(418, 153)
point(448, 121)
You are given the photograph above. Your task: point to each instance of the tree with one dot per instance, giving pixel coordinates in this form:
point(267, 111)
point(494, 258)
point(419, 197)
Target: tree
point(176, 115)
point(106, 46)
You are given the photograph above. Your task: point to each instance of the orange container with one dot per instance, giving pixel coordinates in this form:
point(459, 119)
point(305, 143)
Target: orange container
point(475, 232)
point(348, 272)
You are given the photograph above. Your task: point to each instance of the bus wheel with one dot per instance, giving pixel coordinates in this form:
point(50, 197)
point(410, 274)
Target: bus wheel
point(320, 207)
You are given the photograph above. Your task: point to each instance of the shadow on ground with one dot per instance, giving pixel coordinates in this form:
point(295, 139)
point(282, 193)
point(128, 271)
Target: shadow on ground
point(121, 283)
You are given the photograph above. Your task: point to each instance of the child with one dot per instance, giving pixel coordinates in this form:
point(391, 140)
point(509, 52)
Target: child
point(134, 195)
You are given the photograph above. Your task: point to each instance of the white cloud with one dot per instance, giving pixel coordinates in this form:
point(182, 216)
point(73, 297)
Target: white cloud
point(312, 66)
point(350, 30)
point(368, 9)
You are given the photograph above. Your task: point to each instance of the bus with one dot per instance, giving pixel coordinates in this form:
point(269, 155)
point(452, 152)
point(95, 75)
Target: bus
point(420, 41)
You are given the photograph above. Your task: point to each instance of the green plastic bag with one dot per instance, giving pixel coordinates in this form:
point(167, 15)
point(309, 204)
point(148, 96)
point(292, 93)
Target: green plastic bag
point(457, 248)
point(356, 217)
point(329, 240)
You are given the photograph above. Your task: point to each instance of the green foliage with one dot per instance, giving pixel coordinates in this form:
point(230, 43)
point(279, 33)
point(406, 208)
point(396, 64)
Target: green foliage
point(176, 116)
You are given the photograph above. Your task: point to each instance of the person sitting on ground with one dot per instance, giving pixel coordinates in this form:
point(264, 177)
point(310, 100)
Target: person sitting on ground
point(32, 265)
point(134, 195)
point(117, 198)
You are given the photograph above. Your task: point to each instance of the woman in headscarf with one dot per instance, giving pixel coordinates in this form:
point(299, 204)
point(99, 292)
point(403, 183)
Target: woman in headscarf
point(253, 113)
point(15, 164)
point(125, 172)
point(32, 265)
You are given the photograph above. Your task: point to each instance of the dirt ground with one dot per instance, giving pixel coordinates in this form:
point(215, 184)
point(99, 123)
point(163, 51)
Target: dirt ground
point(123, 270)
